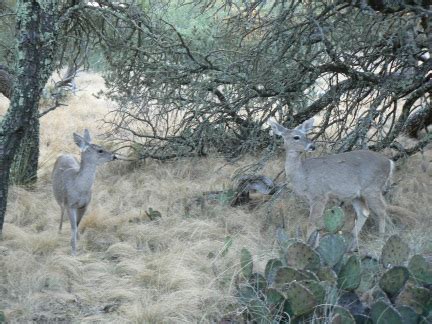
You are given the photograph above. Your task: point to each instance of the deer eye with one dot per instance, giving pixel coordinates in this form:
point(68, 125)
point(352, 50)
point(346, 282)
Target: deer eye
point(296, 137)
point(100, 151)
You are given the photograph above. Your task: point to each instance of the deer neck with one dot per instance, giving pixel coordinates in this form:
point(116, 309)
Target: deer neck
point(294, 165)
point(86, 174)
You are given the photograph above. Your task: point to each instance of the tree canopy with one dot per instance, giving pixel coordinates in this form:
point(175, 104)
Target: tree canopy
point(207, 75)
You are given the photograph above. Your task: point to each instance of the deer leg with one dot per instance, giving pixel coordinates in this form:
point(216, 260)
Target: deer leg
point(73, 221)
point(80, 214)
point(316, 211)
point(362, 212)
point(61, 219)
point(376, 203)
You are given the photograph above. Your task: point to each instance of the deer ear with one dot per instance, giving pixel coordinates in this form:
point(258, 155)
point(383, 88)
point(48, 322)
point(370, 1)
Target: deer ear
point(80, 142)
point(276, 128)
point(306, 126)
point(87, 136)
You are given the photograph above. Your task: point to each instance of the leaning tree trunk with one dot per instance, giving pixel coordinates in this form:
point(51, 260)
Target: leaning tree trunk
point(36, 38)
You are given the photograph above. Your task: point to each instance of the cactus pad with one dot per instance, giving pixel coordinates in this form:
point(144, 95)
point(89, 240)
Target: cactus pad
point(301, 299)
point(285, 275)
point(418, 298)
point(334, 220)
point(420, 269)
point(369, 267)
point(246, 263)
point(342, 315)
point(270, 270)
point(383, 313)
point(316, 289)
point(301, 256)
point(246, 294)
point(395, 252)
point(409, 316)
point(274, 296)
point(331, 248)
point(258, 282)
point(393, 280)
point(327, 274)
point(350, 274)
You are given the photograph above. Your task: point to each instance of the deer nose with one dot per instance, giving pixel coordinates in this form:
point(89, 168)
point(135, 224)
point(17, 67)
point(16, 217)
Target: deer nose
point(311, 147)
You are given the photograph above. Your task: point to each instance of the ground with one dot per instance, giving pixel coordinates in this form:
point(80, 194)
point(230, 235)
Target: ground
point(180, 268)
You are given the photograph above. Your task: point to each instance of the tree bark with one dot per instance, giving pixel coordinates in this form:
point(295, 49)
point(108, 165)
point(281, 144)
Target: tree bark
point(36, 40)
point(418, 120)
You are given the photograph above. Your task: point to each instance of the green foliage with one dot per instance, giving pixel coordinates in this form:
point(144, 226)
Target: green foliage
point(350, 275)
point(419, 298)
point(383, 313)
point(409, 316)
point(395, 252)
point(246, 263)
point(420, 269)
point(300, 298)
point(271, 268)
point(342, 315)
point(370, 271)
point(334, 220)
point(302, 256)
point(304, 285)
point(332, 248)
point(153, 214)
point(393, 280)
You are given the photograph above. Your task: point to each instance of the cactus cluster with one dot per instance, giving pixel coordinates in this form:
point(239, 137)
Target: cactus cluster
point(306, 284)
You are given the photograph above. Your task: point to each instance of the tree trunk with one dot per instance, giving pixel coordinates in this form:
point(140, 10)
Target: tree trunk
point(36, 38)
point(25, 165)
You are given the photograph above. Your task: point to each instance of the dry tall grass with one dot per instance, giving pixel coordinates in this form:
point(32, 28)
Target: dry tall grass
point(131, 269)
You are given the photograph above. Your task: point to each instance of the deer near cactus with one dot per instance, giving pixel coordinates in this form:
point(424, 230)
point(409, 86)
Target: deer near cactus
point(359, 177)
point(72, 181)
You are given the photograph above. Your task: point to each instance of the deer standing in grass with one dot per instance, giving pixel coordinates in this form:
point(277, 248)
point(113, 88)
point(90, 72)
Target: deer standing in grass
point(359, 177)
point(72, 181)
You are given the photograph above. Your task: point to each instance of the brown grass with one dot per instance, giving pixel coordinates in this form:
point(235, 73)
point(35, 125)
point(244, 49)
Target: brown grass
point(131, 269)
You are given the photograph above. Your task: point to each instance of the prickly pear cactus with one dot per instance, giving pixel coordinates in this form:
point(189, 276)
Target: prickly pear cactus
point(418, 298)
point(331, 248)
point(301, 299)
point(395, 252)
point(285, 275)
point(246, 263)
point(271, 268)
point(393, 280)
point(274, 296)
point(301, 256)
point(420, 269)
point(350, 274)
point(258, 282)
point(259, 311)
point(369, 277)
point(327, 274)
point(342, 316)
point(334, 220)
point(316, 289)
point(384, 313)
point(409, 316)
